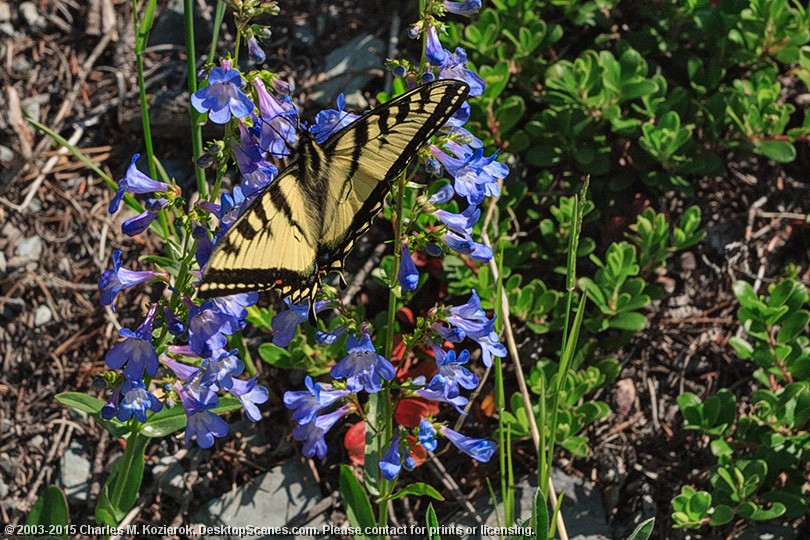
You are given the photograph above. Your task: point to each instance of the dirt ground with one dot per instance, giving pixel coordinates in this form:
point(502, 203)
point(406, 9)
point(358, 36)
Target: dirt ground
point(73, 70)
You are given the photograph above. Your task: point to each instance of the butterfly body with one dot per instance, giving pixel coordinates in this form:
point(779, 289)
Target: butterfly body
point(306, 221)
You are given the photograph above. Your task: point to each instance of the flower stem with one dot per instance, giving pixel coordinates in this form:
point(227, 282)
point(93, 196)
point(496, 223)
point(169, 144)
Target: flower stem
point(191, 67)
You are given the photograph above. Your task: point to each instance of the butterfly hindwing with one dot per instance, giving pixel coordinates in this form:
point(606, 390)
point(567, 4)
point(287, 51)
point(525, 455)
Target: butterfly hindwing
point(308, 219)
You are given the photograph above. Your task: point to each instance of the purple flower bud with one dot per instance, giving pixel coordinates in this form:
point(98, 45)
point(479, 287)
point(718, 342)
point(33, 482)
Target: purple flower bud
point(427, 435)
point(466, 7)
point(400, 71)
point(255, 51)
point(408, 274)
point(116, 279)
point(443, 195)
point(390, 463)
point(138, 224)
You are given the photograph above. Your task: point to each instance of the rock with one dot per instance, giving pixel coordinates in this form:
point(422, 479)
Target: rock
point(10, 234)
point(5, 425)
point(32, 17)
point(3, 489)
point(7, 465)
point(272, 500)
point(170, 476)
point(42, 315)
point(6, 153)
point(347, 70)
point(74, 473)
point(3, 263)
point(28, 250)
point(37, 441)
point(6, 28)
point(582, 508)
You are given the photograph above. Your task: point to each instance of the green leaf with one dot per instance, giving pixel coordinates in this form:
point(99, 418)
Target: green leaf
point(779, 151)
point(92, 406)
point(417, 488)
point(722, 514)
point(540, 516)
point(51, 509)
point(165, 422)
point(355, 500)
point(643, 531)
point(121, 489)
point(432, 523)
point(632, 321)
point(793, 325)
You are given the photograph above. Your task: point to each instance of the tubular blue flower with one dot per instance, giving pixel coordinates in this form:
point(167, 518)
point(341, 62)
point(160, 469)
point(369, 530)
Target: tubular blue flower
point(454, 373)
point(408, 274)
point(435, 53)
point(474, 175)
point(136, 351)
point(434, 250)
point(327, 338)
point(285, 322)
point(255, 50)
point(488, 339)
point(201, 422)
point(208, 328)
point(443, 195)
point(453, 335)
point(460, 223)
point(221, 368)
point(204, 245)
point(306, 404)
point(454, 67)
point(116, 279)
point(234, 306)
point(136, 225)
point(467, 246)
point(408, 461)
point(111, 407)
point(257, 173)
point(135, 182)
point(399, 71)
point(470, 316)
point(330, 120)
point(436, 391)
point(466, 7)
point(312, 433)
point(390, 464)
point(192, 377)
point(427, 435)
point(184, 372)
point(136, 402)
point(223, 97)
point(363, 368)
point(175, 325)
point(279, 120)
point(282, 87)
point(250, 394)
point(478, 449)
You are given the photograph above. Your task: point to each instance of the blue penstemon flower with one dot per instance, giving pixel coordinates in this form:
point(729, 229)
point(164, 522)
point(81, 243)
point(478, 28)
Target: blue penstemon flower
point(478, 449)
point(391, 464)
point(136, 182)
point(363, 368)
point(137, 400)
point(201, 424)
point(408, 274)
point(306, 404)
point(117, 278)
point(313, 432)
point(136, 352)
point(250, 394)
point(223, 98)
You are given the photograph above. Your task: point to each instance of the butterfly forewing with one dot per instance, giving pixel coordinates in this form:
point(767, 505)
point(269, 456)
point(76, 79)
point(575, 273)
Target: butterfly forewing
point(309, 218)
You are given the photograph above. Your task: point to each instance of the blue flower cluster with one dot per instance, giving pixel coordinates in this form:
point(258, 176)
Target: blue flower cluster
point(209, 367)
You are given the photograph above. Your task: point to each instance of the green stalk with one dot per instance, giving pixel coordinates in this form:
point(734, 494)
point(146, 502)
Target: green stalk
point(218, 17)
point(191, 67)
point(385, 429)
point(500, 395)
point(141, 37)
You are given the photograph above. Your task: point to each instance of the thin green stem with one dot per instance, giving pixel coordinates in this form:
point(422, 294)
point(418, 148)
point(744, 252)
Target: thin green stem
point(219, 15)
point(191, 67)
